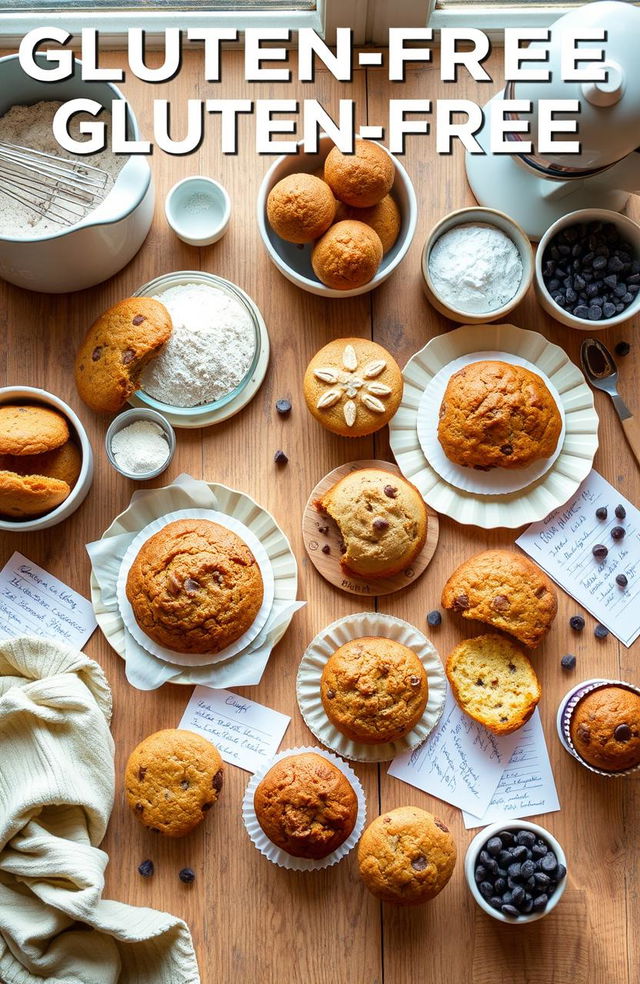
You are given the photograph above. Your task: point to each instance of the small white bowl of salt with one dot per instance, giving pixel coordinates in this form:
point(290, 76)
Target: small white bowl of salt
point(198, 209)
point(140, 444)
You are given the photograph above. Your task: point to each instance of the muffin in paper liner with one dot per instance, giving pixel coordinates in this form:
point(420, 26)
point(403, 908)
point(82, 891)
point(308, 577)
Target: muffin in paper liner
point(336, 635)
point(282, 858)
point(568, 705)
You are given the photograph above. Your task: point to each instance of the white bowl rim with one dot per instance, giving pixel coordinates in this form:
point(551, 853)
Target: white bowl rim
point(173, 217)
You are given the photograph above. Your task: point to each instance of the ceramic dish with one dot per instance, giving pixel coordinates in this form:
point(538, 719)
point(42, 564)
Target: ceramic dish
point(315, 659)
point(231, 403)
point(537, 500)
point(198, 209)
point(131, 417)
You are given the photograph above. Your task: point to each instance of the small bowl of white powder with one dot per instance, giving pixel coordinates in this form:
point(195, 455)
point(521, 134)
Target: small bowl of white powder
point(140, 444)
point(477, 265)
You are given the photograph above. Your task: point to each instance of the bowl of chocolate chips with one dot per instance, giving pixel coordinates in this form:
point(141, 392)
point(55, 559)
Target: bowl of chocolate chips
point(516, 872)
point(587, 271)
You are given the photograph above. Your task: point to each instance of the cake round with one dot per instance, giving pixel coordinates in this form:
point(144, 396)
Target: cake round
point(374, 690)
point(306, 805)
point(497, 415)
point(406, 856)
point(195, 587)
point(605, 728)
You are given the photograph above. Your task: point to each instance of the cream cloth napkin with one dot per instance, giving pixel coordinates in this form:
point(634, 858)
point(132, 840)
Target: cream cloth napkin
point(56, 795)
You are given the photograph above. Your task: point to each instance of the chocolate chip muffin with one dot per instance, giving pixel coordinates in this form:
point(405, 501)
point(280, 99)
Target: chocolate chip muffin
point(406, 856)
point(382, 520)
point(195, 587)
point(506, 590)
point(116, 349)
point(26, 429)
point(362, 178)
point(347, 256)
point(497, 415)
point(374, 690)
point(605, 728)
point(172, 779)
point(306, 805)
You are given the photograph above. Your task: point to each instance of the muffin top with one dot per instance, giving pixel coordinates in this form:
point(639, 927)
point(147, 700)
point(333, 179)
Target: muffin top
point(300, 207)
point(348, 255)
point(362, 178)
point(605, 728)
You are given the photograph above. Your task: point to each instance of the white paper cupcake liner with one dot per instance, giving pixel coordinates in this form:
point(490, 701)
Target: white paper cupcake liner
point(498, 481)
point(336, 635)
point(196, 659)
point(565, 712)
point(275, 854)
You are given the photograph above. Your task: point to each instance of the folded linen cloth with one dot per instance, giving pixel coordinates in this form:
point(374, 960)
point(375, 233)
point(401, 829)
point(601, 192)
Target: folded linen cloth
point(56, 795)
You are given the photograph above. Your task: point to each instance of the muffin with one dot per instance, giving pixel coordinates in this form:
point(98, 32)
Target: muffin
point(493, 682)
point(195, 587)
point(353, 386)
point(382, 520)
point(506, 590)
point(406, 856)
point(172, 779)
point(605, 728)
point(117, 348)
point(384, 218)
point(347, 256)
point(497, 415)
point(300, 208)
point(26, 496)
point(26, 429)
point(374, 690)
point(361, 179)
point(306, 806)
point(63, 463)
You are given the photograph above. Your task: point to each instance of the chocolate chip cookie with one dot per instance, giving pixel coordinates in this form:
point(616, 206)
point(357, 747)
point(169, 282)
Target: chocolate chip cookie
point(29, 429)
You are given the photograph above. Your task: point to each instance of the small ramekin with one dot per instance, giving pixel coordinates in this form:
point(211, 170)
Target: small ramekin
point(486, 216)
point(130, 417)
point(198, 209)
point(476, 846)
point(566, 708)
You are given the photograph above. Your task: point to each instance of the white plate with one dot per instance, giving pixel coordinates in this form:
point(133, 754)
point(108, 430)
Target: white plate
point(498, 481)
point(517, 508)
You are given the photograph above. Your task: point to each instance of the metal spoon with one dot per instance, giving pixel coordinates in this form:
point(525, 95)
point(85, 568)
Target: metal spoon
point(601, 371)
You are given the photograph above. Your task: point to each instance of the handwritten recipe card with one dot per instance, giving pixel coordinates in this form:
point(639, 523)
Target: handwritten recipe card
point(245, 733)
point(562, 545)
point(34, 602)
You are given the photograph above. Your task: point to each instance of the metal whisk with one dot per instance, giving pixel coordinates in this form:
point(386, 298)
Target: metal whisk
point(54, 187)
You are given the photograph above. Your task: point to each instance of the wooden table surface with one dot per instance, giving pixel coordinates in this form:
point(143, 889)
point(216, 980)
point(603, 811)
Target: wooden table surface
point(251, 921)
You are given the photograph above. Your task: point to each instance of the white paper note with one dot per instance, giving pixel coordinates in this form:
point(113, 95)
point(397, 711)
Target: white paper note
point(562, 545)
point(245, 733)
point(460, 762)
point(34, 602)
point(527, 787)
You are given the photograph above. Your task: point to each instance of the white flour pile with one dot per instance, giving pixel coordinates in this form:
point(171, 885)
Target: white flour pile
point(210, 349)
point(475, 268)
point(32, 126)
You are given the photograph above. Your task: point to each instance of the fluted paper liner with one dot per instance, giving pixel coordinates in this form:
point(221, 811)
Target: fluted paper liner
point(565, 713)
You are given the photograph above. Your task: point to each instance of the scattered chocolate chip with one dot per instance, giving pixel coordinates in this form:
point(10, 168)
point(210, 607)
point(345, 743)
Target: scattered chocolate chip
point(128, 356)
point(500, 603)
point(618, 532)
point(97, 352)
point(506, 449)
point(419, 863)
point(330, 694)
point(601, 631)
point(280, 458)
point(380, 524)
point(622, 732)
point(146, 868)
point(139, 318)
point(602, 512)
point(461, 602)
point(323, 529)
point(622, 580)
point(599, 551)
point(216, 782)
point(584, 732)
point(509, 910)
point(191, 585)
point(390, 491)
point(434, 618)
point(479, 682)
point(283, 407)
point(568, 662)
point(622, 348)
point(577, 623)
point(142, 773)
point(184, 784)
point(187, 875)
point(620, 512)
point(326, 549)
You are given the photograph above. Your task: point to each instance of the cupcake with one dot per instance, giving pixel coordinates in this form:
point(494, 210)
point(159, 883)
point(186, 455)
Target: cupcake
point(300, 208)
point(601, 726)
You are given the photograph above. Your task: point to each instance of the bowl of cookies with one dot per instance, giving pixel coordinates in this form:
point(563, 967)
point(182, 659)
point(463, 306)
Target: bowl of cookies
point(337, 224)
point(46, 461)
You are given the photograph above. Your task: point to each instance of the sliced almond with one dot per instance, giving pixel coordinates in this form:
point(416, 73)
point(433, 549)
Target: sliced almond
point(349, 358)
point(350, 411)
point(379, 389)
point(328, 399)
point(373, 369)
point(372, 403)
point(326, 375)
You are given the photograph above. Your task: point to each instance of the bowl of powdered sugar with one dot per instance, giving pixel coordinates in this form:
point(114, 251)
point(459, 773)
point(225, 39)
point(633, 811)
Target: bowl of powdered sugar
point(216, 356)
point(477, 265)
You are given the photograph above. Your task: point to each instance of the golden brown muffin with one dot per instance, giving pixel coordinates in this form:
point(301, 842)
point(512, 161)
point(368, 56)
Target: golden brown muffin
point(382, 520)
point(494, 682)
point(63, 463)
point(172, 780)
point(363, 178)
point(495, 415)
point(605, 728)
point(116, 349)
point(384, 218)
point(26, 429)
point(406, 856)
point(506, 590)
point(306, 805)
point(195, 587)
point(347, 256)
point(353, 386)
point(374, 690)
point(300, 208)
point(23, 496)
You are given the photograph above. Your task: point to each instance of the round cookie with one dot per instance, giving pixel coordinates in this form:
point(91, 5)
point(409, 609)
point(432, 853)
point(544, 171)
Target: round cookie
point(172, 779)
point(605, 728)
point(347, 256)
point(353, 386)
point(363, 178)
point(63, 463)
point(116, 349)
point(384, 218)
point(31, 429)
point(195, 587)
point(406, 856)
point(306, 805)
point(374, 690)
point(300, 208)
point(30, 495)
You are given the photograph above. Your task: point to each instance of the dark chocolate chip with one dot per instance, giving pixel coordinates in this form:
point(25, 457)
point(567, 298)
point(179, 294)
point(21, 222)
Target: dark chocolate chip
point(217, 781)
point(577, 623)
point(184, 784)
point(206, 806)
point(97, 352)
point(461, 602)
point(599, 551)
point(142, 772)
point(146, 868)
point(622, 348)
point(187, 875)
point(568, 662)
point(622, 580)
point(622, 732)
point(500, 603)
point(540, 903)
point(191, 585)
point(434, 618)
point(380, 524)
point(326, 549)
point(128, 356)
point(618, 532)
point(601, 631)
point(280, 458)
point(420, 863)
point(390, 491)
point(620, 512)
point(509, 910)
point(494, 846)
point(507, 449)
point(139, 318)
point(602, 512)
point(283, 407)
